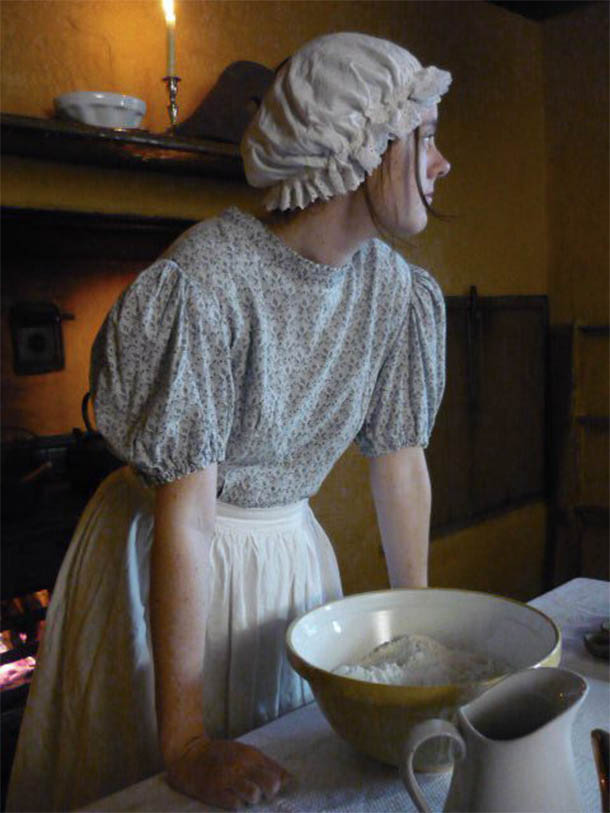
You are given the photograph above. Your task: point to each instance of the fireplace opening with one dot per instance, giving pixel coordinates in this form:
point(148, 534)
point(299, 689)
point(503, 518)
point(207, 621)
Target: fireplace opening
point(80, 261)
point(46, 483)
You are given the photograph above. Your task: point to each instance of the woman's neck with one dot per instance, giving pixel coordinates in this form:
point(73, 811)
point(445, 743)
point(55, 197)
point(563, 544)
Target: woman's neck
point(326, 232)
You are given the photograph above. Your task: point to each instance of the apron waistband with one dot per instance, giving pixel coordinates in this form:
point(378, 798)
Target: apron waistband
point(226, 513)
point(257, 517)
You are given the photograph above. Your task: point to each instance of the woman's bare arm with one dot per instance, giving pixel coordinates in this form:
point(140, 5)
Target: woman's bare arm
point(218, 772)
point(401, 490)
point(185, 512)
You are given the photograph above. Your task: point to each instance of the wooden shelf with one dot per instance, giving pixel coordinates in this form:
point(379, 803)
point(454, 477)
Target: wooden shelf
point(70, 142)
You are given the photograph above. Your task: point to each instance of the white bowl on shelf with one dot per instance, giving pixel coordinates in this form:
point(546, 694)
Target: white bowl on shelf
point(101, 109)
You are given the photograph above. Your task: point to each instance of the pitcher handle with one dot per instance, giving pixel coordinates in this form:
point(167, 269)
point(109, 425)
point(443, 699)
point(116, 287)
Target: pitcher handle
point(419, 734)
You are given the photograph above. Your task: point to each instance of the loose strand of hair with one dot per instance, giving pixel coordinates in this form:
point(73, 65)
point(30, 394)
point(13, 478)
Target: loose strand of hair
point(395, 242)
point(430, 209)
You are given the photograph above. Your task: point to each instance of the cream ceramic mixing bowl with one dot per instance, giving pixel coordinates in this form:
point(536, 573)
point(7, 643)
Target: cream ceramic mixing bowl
point(376, 718)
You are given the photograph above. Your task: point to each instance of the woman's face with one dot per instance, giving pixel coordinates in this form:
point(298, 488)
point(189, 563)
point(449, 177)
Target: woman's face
point(393, 187)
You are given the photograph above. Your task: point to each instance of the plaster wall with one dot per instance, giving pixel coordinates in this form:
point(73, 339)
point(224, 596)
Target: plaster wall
point(491, 121)
point(576, 70)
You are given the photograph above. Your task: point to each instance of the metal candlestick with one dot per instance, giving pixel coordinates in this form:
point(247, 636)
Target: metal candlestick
point(172, 89)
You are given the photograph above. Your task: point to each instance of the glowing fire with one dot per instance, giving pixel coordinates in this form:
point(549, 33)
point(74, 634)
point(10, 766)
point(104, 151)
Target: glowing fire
point(19, 671)
point(16, 673)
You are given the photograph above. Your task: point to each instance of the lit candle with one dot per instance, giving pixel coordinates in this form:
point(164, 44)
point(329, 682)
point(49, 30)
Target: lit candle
point(170, 18)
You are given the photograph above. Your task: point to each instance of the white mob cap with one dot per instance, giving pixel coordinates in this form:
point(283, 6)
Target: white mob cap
point(328, 117)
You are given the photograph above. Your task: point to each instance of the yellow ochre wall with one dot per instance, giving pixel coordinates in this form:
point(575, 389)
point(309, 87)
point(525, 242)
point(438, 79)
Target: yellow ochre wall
point(491, 121)
point(492, 129)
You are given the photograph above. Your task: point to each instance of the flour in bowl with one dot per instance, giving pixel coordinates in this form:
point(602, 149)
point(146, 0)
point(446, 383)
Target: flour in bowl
point(417, 660)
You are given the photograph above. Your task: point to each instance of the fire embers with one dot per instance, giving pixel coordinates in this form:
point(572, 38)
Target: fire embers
point(23, 620)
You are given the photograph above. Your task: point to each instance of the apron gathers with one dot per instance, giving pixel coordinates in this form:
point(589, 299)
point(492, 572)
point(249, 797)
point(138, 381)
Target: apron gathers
point(90, 725)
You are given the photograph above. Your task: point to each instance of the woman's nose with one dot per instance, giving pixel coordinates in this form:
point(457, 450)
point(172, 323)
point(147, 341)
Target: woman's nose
point(440, 167)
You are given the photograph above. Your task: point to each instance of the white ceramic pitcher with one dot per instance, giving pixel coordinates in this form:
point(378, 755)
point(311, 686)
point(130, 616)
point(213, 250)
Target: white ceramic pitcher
point(513, 744)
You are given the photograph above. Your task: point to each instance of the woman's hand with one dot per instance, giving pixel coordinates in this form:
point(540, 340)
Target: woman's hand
point(225, 773)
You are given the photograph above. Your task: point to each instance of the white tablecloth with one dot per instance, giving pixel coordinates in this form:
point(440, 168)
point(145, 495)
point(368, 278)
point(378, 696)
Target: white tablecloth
point(333, 777)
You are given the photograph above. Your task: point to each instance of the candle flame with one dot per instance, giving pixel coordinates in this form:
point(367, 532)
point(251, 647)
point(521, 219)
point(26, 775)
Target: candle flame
point(168, 10)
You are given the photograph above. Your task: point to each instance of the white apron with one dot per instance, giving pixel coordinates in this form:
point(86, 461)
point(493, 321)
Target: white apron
point(89, 727)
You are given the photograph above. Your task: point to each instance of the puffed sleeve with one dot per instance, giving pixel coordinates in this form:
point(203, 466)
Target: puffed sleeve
point(161, 378)
point(411, 381)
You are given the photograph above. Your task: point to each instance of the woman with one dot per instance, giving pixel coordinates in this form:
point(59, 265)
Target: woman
point(231, 376)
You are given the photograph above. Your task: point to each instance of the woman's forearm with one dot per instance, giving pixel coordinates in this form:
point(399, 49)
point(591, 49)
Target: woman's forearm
point(220, 773)
point(184, 523)
point(401, 491)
